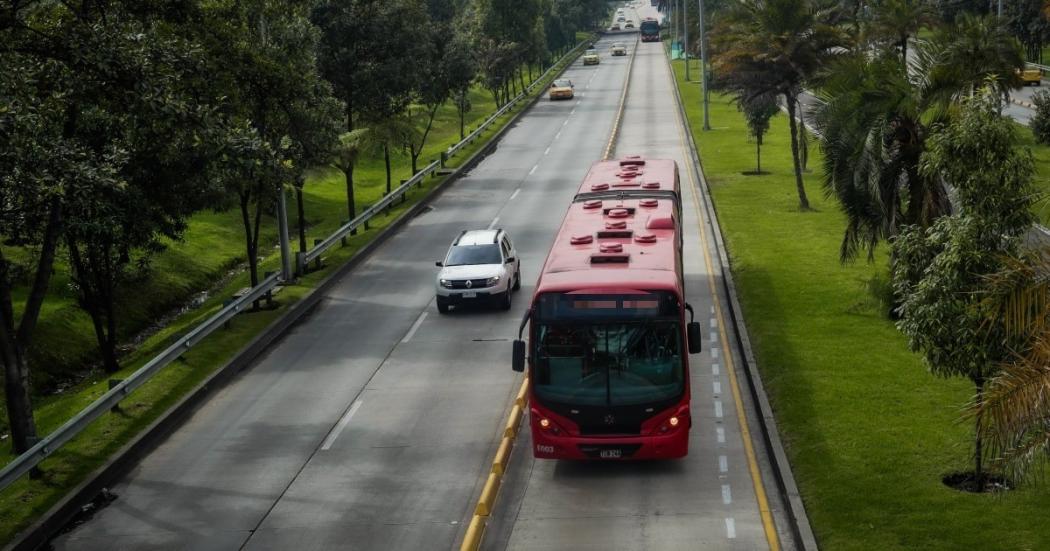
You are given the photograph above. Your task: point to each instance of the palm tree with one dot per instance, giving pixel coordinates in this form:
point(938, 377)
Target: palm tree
point(1013, 416)
point(878, 112)
point(898, 21)
point(775, 47)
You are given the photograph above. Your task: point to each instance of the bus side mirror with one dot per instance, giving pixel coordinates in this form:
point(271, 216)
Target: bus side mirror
point(518, 363)
point(693, 332)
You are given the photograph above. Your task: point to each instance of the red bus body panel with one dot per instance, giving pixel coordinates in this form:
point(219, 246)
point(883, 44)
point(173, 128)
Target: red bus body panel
point(648, 190)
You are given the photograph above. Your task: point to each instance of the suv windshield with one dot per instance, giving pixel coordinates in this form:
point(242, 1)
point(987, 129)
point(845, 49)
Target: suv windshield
point(461, 255)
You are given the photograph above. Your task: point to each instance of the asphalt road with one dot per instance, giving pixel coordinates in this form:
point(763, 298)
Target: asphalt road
point(371, 425)
point(706, 500)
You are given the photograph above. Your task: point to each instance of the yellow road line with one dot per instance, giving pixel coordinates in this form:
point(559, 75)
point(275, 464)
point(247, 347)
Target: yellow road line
point(745, 432)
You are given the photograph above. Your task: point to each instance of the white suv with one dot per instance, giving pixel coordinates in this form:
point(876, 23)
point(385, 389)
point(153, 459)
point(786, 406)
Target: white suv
point(480, 265)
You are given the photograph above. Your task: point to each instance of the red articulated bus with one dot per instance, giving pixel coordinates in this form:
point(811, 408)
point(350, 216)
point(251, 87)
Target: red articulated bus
point(608, 343)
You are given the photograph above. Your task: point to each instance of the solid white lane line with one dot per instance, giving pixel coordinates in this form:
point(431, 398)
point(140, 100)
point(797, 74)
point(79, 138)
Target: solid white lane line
point(547, 151)
point(721, 432)
point(723, 464)
point(727, 495)
point(714, 353)
point(532, 171)
point(342, 425)
point(515, 194)
point(717, 387)
point(714, 369)
point(730, 528)
point(415, 326)
point(494, 222)
point(718, 409)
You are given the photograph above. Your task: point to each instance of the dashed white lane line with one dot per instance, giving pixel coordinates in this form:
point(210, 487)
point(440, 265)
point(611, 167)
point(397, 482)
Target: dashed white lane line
point(515, 194)
point(573, 112)
point(714, 369)
point(565, 122)
point(415, 326)
point(717, 387)
point(494, 222)
point(714, 353)
point(727, 494)
point(714, 323)
point(558, 135)
point(532, 171)
point(730, 528)
point(718, 409)
point(327, 444)
point(713, 337)
point(547, 151)
point(723, 464)
point(712, 310)
point(721, 432)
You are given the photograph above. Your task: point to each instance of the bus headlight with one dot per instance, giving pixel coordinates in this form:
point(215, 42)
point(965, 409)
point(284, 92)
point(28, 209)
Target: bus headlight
point(491, 281)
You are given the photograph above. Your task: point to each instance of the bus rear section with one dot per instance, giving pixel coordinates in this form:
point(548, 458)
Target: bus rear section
point(608, 339)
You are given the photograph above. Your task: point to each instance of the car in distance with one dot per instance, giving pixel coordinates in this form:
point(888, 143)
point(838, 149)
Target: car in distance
point(481, 265)
point(561, 88)
point(1031, 76)
point(590, 57)
point(629, 24)
point(615, 27)
point(619, 49)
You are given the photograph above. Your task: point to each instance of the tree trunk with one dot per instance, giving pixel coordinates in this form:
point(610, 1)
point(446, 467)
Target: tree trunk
point(803, 202)
point(758, 155)
point(351, 206)
point(301, 215)
point(90, 277)
point(249, 243)
point(416, 152)
point(462, 115)
point(16, 371)
point(904, 49)
point(978, 459)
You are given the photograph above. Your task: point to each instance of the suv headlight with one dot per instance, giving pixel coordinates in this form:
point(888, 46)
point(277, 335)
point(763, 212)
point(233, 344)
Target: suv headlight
point(491, 281)
point(446, 283)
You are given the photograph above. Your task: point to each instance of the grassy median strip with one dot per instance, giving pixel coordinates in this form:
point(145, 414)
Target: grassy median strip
point(27, 499)
point(869, 432)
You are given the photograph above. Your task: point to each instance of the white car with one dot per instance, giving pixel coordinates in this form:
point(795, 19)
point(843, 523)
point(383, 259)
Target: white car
point(481, 265)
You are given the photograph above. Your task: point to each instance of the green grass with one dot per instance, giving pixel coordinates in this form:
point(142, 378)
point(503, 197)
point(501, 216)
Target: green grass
point(868, 430)
point(1041, 155)
point(209, 249)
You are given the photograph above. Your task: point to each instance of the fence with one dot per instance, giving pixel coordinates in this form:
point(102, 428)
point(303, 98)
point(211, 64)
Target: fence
point(52, 442)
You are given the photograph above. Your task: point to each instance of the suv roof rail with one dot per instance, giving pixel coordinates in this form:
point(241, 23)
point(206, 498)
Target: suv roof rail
point(495, 236)
point(460, 236)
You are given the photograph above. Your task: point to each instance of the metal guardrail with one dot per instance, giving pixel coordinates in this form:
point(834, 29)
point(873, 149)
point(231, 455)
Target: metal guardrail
point(71, 428)
point(1037, 66)
point(52, 442)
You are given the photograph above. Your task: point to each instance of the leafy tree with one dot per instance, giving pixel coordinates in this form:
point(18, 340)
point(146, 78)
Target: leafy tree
point(781, 44)
point(1040, 123)
point(1027, 21)
point(370, 52)
point(757, 112)
point(940, 271)
point(875, 123)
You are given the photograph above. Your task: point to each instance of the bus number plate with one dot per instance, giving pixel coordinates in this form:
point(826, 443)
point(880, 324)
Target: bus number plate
point(610, 454)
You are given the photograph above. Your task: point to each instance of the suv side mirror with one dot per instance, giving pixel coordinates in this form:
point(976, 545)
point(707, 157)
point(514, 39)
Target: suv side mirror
point(518, 361)
point(510, 259)
point(439, 264)
point(693, 333)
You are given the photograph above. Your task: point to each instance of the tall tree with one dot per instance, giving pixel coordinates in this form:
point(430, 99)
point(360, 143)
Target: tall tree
point(781, 44)
point(940, 272)
point(370, 52)
point(875, 122)
point(898, 21)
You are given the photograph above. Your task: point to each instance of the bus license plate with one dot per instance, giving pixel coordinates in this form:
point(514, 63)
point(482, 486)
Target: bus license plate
point(470, 294)
point(610, 454)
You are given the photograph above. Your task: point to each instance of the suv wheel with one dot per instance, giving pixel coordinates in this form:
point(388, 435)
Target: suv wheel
point(442, 305)
point(505, 303)
point(517, 279)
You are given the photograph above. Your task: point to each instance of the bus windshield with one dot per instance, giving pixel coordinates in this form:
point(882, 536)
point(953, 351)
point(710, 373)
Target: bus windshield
point(649, 27)
point(614, 350)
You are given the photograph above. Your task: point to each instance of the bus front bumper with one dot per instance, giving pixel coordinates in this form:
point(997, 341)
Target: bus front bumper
point(546, 445)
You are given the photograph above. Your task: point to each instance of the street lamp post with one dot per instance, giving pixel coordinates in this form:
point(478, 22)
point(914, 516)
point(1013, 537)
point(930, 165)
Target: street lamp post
point(685, 37)
point(704, 73)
